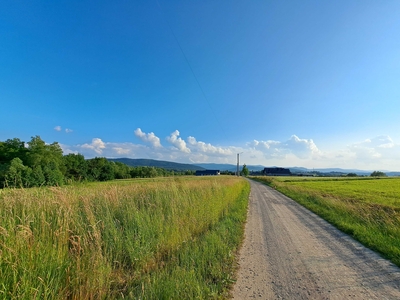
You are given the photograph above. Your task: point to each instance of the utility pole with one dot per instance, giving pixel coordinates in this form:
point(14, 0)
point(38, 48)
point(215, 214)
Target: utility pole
point(238, 173)
point(237, 164)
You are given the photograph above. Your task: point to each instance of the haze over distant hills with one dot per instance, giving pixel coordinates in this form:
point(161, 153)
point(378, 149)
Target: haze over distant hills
point(232, 168)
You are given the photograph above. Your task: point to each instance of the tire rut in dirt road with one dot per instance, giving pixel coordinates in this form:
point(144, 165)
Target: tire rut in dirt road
point(290, 253)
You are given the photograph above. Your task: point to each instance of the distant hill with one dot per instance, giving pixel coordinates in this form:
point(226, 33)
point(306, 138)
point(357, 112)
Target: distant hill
point(157, 163)
point(392, 173)
point(339, 171)
point(328, 171)
point(212, 166)
point(346, 171)
point(229, 167)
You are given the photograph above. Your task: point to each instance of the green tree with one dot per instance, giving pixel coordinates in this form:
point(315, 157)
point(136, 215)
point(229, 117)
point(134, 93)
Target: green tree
point(352, 175)
point(49, 158)
point(39, 153)
point(161, 172)
point(52, 174)
point(100, 169)
point(121, 170)
point(378, 174)
point(245, 171)
point(16, 174)
point(11, 149)
point(153, 172)
point(37, 177)
point(36, 152)
point(134, 172)
point(76, 167)
point(3, 171)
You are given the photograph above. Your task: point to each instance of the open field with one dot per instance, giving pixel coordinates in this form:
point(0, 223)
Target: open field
point(367, 209)
point(385, 191)
point(171, 238)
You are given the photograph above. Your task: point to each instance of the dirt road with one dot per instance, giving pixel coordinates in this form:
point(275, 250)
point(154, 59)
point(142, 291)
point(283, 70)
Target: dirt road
point(290, 253)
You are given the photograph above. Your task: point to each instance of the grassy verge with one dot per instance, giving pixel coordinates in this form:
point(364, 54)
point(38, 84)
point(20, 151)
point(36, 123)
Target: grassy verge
point(148, 239)
point(368, 210)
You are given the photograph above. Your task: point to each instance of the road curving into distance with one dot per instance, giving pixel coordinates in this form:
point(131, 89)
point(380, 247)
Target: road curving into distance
point(290, 253)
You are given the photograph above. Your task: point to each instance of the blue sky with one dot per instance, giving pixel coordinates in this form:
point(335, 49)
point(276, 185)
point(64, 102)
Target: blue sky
point(288, 83)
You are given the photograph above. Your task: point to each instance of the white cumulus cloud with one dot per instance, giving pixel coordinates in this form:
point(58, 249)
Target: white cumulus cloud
point(376, 148)
point(264, 144)
point(97, 145)
point(67, 130)
point(301, 148)
point(270, 149)
point(57, 128)
point(383, 141)
point(121, 150)
point(207, 147)
point(148, 138)
point(177, 142)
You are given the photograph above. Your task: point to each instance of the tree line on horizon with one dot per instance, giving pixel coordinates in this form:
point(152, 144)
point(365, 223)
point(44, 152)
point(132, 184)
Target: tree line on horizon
point(36, 163)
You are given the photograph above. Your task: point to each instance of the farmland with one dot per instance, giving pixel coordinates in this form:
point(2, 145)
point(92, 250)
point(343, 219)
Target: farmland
point(167, 238)
point(367, 209)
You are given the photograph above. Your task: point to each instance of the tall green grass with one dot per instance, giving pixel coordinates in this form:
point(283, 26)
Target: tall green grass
point(368, 210)
point(148, 239)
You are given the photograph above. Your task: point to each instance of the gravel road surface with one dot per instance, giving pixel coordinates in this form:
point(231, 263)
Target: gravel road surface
point(290, 253)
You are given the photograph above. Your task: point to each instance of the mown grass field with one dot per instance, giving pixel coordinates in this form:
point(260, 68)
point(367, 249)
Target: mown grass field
point(171, 238)
point(368, 209)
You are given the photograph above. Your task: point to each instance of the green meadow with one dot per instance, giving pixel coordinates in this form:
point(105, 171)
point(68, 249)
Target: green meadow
point(167, 238)
point(366, 208)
